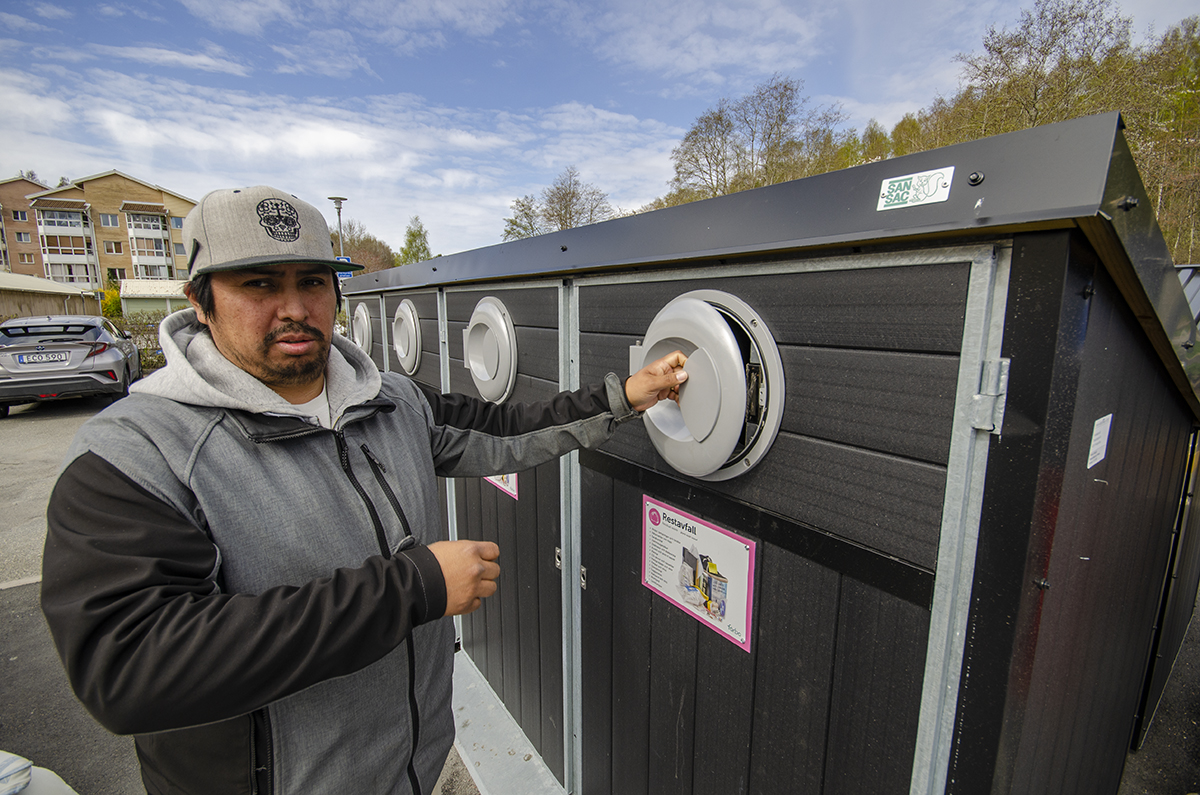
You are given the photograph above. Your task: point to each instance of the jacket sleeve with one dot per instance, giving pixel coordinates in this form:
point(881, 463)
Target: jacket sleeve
point(131, 595)
point(472, 437)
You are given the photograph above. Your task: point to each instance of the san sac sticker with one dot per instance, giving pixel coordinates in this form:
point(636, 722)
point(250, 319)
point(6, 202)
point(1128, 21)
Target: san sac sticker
point(912, 190)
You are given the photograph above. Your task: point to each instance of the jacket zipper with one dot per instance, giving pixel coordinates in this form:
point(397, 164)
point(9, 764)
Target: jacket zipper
point(344, 458)
point(378, 469)
point(260, 727)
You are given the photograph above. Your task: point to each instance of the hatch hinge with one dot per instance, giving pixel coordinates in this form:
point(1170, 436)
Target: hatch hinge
point(988, 405)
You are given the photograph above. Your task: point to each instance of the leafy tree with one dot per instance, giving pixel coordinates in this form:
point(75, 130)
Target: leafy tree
point(363, 248)
point(110, 307)
point(416, 243)
point(876, 144)
point(526, 220)
point(907, 136)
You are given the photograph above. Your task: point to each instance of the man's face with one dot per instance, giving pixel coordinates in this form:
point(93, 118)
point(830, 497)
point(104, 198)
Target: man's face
point(276, 323)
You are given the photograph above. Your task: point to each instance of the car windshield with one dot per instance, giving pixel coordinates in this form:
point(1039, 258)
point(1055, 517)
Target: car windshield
point(10, 335)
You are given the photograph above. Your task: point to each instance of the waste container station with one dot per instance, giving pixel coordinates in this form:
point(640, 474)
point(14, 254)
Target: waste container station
point(920, 521)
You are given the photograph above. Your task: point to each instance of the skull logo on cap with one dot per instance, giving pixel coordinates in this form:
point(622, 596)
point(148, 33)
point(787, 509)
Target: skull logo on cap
point(280, 219)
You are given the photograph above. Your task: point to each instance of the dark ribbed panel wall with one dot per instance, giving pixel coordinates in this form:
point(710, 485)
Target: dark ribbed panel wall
point(845, 511)
point(515, 638)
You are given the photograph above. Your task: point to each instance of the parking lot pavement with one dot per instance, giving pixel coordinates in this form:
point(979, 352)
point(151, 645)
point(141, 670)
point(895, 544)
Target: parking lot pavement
point(34, 438)
point(41, 720)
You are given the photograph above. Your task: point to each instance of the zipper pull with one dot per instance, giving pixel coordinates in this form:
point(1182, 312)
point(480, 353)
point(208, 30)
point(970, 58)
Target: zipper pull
point(374, 460)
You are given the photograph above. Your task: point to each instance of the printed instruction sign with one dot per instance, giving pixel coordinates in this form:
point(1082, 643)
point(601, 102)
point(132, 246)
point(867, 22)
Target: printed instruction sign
point(506, 483)
point(705, 570)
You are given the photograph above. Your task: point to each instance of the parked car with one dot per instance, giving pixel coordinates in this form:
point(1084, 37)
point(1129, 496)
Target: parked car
point(60, 356)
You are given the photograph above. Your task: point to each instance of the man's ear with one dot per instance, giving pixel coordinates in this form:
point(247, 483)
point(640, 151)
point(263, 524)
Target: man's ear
point(187, 291)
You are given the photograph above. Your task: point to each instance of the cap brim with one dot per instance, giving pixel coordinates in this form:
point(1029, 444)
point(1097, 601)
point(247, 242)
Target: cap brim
point(258, 262)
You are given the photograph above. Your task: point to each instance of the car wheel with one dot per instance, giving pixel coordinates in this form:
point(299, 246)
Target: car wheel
point(3, 412)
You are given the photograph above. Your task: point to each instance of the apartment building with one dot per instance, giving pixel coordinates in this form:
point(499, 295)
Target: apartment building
point(108, 227)
point(20, 246)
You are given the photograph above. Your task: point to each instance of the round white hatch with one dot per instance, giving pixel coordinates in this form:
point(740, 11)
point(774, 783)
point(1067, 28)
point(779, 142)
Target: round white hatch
point(731, 406)
point(406, 337)
point(360, 327)
point(490, 350)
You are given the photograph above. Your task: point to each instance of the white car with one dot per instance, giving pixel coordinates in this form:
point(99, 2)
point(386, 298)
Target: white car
point(60, 356)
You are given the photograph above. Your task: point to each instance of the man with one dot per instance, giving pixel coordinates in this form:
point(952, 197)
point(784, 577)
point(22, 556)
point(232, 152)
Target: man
point(243, 564)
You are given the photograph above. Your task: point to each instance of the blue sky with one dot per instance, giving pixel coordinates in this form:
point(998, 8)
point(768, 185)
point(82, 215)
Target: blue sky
point(447, 109)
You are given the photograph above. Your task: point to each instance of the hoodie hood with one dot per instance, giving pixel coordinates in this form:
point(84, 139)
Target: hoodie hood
point(199, 375)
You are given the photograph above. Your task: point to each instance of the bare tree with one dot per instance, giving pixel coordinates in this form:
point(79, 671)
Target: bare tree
point(766, 122)
point(1043, 71)
point(706, 159)
point(571, 202)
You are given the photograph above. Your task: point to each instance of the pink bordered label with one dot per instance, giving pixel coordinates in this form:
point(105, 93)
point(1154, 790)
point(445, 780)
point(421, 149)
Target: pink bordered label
point(506, 483)
point(705, 570)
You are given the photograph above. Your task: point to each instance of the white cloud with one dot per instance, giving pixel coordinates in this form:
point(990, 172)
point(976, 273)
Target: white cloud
point(117, 10)
point(50, 11)
point(703, 41)
point(18, 24)
point(158, 56)
point(242, 17)
point(331, 53)
point(395, 155)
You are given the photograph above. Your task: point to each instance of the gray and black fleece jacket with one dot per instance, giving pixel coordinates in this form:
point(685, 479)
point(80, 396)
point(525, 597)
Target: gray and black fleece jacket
point(251, 595)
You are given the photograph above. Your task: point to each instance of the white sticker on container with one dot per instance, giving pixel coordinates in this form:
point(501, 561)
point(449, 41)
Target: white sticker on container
point(1099, 447)
point(506, 483)
point(912, 190)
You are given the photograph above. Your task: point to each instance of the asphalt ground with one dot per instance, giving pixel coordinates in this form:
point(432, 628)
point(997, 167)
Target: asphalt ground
point(41, 720)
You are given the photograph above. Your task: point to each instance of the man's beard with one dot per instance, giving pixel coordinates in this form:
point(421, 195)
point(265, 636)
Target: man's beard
point(299, 372)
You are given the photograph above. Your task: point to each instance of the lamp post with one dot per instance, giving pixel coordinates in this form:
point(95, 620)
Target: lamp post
point(337, 203)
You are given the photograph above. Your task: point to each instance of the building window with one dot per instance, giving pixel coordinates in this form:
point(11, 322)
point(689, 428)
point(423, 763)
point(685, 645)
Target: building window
point(67, 273)
point(60, 218)
point(149, 247)
point(180, 251)
point(64, 244)
point(23, 237)
point(107, 219)
point(176, 222)
point(138, 221)
point(112, 247)
point(25, 259)
point(20, 215)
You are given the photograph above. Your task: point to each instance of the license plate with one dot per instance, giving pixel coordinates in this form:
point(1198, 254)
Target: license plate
point(38, 358)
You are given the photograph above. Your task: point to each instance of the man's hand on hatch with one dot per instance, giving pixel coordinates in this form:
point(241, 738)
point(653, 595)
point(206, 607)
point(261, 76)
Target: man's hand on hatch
point(470, 570)
point(656, 381)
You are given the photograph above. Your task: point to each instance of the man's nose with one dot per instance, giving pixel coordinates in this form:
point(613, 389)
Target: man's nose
point(291, 305)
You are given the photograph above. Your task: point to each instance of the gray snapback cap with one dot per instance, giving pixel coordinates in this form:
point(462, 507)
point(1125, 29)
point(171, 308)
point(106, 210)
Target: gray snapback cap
point(249, 227)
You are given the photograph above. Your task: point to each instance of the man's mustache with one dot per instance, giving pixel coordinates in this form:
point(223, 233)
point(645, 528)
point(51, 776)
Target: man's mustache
point(294, 328)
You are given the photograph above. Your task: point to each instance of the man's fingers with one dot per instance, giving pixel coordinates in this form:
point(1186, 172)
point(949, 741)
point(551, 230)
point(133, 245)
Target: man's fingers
point(470, 570)
point(657, 381)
